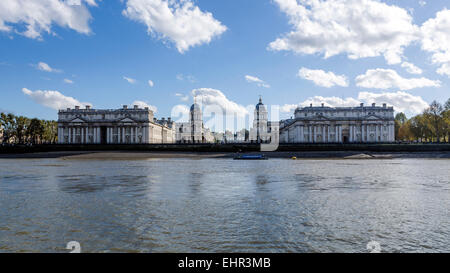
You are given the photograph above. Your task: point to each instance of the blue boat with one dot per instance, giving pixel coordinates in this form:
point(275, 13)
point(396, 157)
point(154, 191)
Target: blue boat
point(251, 157)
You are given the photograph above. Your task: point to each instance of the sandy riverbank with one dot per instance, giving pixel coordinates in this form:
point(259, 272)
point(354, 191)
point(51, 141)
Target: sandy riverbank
point(132, 155)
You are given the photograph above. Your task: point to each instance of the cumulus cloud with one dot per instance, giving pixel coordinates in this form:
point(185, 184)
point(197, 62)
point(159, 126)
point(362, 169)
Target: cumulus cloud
point(179, 21)
point(130, 80)
point(436, 40)
point(53, 99)
point(143, 104)
point(45, 67)
point(38, 16)
point(388, 78)
point(322, 78)
point(401, 101)
point(358, 28)
point(68, 81)
point(150, 83)
point(180, 113)
point(215, 98)
point(256, 80)
point(411, 68)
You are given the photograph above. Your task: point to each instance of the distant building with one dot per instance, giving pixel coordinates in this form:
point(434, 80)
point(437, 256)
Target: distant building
point(260, 132)
point(193, 131)
point(339, 125)
point(121, 126)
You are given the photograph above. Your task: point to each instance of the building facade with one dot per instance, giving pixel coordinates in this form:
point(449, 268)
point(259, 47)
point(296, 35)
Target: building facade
point(121, 126)
point(364, 124)
point(193, 131)
point(260, 131)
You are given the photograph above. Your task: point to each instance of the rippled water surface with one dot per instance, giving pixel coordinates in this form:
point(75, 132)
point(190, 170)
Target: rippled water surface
point(221, 205)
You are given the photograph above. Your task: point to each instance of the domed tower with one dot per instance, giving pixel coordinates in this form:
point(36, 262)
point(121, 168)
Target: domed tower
point(196, 121)
point(260, 122)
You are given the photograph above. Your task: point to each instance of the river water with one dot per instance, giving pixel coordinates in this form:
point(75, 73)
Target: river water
point(221, 205)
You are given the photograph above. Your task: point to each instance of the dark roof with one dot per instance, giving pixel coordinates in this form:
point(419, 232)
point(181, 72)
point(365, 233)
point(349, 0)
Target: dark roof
point(195, 106)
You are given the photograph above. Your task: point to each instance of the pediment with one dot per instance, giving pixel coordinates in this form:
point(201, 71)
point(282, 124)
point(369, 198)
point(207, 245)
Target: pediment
point(372, 117)
point(127, 120)
point(78, 120)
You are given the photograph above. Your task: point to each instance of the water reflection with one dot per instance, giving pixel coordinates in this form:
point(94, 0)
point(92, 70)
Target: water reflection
point(220, 205)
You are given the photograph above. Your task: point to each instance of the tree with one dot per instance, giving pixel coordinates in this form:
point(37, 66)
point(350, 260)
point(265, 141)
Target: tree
point(434, 116)
point(36, 130)
point(7, 122)
point(400, 120)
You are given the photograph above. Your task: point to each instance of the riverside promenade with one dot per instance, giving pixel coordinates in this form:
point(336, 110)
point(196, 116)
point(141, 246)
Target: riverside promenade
point(228, 150)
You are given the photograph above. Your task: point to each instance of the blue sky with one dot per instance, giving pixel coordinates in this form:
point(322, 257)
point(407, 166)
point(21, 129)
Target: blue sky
point(103, 45)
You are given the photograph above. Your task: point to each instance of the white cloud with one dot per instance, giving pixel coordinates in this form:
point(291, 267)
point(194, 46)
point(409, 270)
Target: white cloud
point(358, 28)
point(256, 80)
point(180, 113)
point(179, 21)
point(130, 80)
point(388, 78)
point(401, 101)
point(150, 83)
point(411, 68)
point(45, 67)
point(436, 40)
point(38, 16)
point(182, 97)
point(422, 3)
point(182, 77)
point(68, 81)
point(322, 78)
point(215, 98)
point(444, 69)
point(143, 104)
point(53, 99)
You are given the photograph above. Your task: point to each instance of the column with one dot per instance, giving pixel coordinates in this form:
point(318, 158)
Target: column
point(132, 135)
point(309, 134)
point(123, 134)
point(351, 134)
point(111, 135)
point(328, 133)
point(340, 133)
point(314, 133)
point(376, 132)
point(363, 128)
point(302, 133)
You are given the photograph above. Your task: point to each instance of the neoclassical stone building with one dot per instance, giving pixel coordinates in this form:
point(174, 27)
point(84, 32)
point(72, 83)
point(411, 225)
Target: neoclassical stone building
point(364, 124)
point(194, 130)
point(121, 126)
point(263, 130)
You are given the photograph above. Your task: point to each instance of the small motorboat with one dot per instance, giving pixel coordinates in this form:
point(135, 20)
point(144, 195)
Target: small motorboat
point(251, 157)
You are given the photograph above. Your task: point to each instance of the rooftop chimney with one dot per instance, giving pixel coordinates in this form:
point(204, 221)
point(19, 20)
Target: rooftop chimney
point(146, 108)
point(68, 109)
point(384, 105)
point(125, 107)
point(373, 104)
point(88, 107)
point(362, 104)
point(310, 105)
point(136, 107)
point(77, 107)
point(323, 104)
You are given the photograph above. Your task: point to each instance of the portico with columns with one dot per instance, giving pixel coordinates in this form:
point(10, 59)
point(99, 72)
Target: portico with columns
point(372, 124)
point(122, 126)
